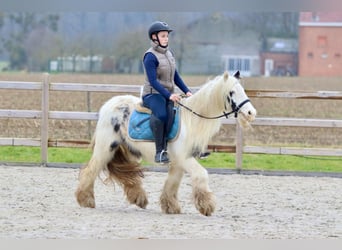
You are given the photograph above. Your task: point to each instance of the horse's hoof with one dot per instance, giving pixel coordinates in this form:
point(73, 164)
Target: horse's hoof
point(85, 199)
point(171, 210)
point(138, 198)
point(141, 201)
point(169, 206)
point(207, 211)
point(205, 202)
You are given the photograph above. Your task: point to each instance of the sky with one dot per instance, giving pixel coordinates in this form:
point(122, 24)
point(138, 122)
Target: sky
point(171, 5)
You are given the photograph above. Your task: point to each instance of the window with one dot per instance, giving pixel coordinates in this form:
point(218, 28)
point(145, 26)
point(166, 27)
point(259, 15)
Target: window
point(242, 64)
point(315, 17)
point(231, 65)
point(238, 64)
point(310, 55)
point(246, 65)
point(322, 42)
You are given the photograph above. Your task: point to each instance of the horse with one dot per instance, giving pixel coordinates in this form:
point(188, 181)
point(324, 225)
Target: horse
point(119, 157)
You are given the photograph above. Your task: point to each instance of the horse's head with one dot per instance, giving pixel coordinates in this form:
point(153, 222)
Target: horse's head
point(238, 101)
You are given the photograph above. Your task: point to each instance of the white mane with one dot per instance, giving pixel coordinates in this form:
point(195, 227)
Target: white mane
point(209, 101)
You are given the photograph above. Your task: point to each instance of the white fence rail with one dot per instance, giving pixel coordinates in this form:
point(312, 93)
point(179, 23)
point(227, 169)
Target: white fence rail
point(45, 114)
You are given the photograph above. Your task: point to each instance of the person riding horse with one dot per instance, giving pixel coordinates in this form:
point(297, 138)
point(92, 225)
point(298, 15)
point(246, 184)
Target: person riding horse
point(161, 76)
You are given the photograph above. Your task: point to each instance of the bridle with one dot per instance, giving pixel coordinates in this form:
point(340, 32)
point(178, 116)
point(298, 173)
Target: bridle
point(235, 108)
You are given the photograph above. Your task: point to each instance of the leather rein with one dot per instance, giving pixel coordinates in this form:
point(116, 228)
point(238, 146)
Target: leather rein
point(235, 109)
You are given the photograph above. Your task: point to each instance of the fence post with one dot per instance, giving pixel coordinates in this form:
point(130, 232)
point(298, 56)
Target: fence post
point(239, 147)
point(44, 127)
point(89, 110)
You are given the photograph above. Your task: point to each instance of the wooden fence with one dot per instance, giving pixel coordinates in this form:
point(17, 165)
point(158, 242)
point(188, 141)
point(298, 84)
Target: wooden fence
point(45, 114)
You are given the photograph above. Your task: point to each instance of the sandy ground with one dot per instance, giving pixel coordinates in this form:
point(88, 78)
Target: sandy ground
point(39, 203)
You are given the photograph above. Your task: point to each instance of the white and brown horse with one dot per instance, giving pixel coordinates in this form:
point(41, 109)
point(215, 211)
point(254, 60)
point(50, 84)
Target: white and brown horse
point(119, 157)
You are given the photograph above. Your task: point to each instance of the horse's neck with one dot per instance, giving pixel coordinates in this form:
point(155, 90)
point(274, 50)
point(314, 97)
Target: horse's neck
point(200, 130)
point(207, 101)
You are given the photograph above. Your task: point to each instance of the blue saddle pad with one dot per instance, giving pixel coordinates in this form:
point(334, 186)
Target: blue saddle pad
point(139, 126)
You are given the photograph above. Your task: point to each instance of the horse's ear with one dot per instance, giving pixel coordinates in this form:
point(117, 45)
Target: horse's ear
point(225, 75)
point(237, 75)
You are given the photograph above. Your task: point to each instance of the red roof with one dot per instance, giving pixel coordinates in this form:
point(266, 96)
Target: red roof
point(321, 17)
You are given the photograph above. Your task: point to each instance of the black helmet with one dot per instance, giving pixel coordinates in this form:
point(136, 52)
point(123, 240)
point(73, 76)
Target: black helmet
point(158, 26)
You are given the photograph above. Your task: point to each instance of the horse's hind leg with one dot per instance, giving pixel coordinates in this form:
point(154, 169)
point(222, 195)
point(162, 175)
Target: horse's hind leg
point(203, 198)
point(126, 171)
point(136, 194)
point(168, 199)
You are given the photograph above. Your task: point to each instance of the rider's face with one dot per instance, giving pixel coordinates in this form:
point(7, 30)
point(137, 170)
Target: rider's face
point(163, 37)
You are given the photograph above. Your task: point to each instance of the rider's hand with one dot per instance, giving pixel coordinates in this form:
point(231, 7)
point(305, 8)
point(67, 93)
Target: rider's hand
point(175, 97)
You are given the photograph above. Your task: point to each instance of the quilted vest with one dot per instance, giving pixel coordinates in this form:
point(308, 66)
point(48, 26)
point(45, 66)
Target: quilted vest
point(165, 70)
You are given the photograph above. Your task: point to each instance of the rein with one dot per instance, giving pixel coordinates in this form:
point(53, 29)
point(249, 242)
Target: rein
point(235, 110)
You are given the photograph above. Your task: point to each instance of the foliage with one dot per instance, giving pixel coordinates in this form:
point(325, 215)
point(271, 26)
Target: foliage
point(31, 39)
point(28, 33)
point(272, 24)
point(215, 160)
point(129, 48)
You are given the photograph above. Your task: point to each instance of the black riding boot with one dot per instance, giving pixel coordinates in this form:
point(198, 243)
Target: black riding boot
point(169, 123)
point(157, 127)
point(171, 117)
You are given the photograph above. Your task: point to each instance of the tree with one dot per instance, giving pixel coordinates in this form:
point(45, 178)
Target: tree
point(22, 25)
point(41, 46)
point(181, 40)
point(279, 24)
point(129, 48)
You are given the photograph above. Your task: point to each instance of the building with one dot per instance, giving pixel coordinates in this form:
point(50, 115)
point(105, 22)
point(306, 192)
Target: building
point(216, 43)
point(279, 57)
point(247, 64)
point(320, 44)
point(242, 54)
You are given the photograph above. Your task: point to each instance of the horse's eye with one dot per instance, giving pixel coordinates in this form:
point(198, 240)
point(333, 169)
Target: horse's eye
point(231, 93)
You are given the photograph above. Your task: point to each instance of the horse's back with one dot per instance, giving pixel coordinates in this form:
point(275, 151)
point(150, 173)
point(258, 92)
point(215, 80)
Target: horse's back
point(119, 103)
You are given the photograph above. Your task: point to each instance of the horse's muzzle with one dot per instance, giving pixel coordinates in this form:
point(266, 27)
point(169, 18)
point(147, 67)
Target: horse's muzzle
point(247, 115)
point(248, 112)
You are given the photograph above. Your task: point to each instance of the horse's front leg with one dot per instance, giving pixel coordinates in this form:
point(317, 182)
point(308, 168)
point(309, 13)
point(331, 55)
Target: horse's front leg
point(203, 197)
point(98, 161)
point(169, 197)
point(85, 190)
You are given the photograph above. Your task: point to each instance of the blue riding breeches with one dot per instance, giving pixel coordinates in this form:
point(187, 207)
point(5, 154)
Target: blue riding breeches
point(158, 104)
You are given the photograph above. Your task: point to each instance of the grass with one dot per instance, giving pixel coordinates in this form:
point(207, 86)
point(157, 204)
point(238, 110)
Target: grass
point(215, 160)
point(32, 154)
point(275, 162)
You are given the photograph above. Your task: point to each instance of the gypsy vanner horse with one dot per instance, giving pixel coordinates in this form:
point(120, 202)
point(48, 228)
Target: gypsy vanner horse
point(119, 157)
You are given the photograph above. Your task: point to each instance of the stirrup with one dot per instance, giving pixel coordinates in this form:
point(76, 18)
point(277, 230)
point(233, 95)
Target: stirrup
point(161, 157)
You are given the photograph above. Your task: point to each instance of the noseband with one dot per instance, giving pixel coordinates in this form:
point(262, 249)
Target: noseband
point(235, 108)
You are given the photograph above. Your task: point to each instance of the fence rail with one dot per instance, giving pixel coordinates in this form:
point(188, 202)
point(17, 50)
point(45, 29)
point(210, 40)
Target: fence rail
point(45, 114)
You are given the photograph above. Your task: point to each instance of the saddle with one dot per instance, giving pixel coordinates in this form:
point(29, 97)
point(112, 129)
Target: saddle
point(139, 125)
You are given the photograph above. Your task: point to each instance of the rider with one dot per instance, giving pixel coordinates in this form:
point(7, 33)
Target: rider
point(161, 76)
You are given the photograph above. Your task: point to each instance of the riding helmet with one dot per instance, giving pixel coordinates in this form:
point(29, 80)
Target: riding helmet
point(158, 26)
